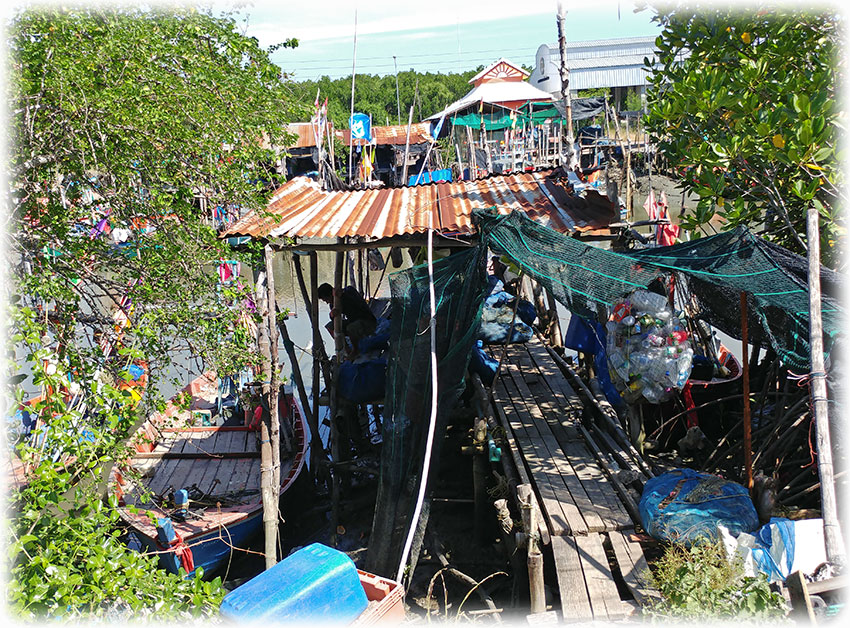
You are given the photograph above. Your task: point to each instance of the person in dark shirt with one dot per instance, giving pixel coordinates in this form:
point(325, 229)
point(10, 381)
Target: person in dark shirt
point(357, 319)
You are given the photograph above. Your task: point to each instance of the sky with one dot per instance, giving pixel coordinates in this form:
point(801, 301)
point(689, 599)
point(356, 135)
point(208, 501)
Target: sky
point(435, 36)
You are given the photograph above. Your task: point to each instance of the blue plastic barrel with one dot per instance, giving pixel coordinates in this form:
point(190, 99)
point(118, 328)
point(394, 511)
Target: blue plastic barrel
point(316, 584)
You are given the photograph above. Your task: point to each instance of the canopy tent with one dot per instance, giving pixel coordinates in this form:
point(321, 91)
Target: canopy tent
point(535, 113)
point(495, 94)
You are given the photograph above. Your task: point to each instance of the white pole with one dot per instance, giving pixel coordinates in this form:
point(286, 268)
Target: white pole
point(353, 66)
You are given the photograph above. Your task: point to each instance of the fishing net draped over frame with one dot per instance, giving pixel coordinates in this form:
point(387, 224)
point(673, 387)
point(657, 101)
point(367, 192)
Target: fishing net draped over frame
point(460, 287)
point(589, 282)
point(714, 271)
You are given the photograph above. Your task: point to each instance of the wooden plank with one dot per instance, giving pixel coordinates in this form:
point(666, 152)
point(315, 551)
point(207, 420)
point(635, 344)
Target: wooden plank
point(223, 442)
point(160, 481)
point(602, 590)
point(223, 473)
point(195, 456)
point(634, 567)
point(197, 469)
point(570, 403)
point(575, 603)
point(252, 478)
point(539, 408)
point(512, 444)
point(601, 494)
point(239, 477)
point(546, 479)
point(211, 473)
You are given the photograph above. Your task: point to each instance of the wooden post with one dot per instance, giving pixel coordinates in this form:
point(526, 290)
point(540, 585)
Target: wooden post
point(318, 343)
point(831, 527)
point(480, 463)
point(339, 341)
point(525, 497)
point(565, 83)
point(556, 338)
point(745, 381)
point(473, 162)
point(407, 147)
point(269, 496)
point(274, 383)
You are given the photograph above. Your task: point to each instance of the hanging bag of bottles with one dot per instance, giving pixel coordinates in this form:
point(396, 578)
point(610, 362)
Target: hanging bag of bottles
point(649, 354)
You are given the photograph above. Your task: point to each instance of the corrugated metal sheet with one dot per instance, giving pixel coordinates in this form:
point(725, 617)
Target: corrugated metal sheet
point(608, 77)
point(395, 134)
point(305, 135)
point(300, 209)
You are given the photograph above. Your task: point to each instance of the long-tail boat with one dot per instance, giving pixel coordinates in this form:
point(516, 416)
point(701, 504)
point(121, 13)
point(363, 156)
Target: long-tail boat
point(191, 490)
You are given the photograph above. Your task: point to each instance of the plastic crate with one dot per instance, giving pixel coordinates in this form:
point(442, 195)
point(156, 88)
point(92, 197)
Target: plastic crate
point(316, 584)
point(389, 596)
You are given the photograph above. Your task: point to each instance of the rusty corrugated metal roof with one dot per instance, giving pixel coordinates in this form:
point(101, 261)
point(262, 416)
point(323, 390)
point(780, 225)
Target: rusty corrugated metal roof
point(306, 137)
point(300, 209)
point(395, 134)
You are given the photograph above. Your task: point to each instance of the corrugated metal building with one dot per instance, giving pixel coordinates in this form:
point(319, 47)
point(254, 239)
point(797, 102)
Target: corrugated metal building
point(610, 63)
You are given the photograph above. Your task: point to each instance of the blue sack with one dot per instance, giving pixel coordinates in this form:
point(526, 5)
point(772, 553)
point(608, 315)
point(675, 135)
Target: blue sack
point(480, 362)
point(362, 382)
point(684, 506)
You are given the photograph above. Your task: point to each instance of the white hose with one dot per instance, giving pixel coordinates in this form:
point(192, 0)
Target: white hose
point(426, 463)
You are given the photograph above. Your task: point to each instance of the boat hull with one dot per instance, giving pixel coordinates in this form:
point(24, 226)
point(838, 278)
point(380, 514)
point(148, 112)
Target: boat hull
point(222, 462)
point(210, 551)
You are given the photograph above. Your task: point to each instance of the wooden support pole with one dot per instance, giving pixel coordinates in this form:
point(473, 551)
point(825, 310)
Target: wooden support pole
point(316, 448)
point(745, 382)
point(274, 386)
point(565, 86)
point(480, 466)
point(835, 553)
point(525, 497)
point(339, 341)
point(406, 148)
point(319, 356)
point(270, 496)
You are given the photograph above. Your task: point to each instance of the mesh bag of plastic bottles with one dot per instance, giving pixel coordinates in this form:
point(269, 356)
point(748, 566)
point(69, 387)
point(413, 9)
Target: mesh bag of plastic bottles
point(649, 353)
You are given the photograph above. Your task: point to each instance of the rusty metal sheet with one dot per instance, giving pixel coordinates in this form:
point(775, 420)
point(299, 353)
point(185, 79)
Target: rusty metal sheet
point(301, 209)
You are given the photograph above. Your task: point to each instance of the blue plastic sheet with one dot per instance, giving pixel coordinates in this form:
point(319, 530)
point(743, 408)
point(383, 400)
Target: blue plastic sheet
point(684, 506)
point(362, 382)
point(582, 337)
point(483, 364)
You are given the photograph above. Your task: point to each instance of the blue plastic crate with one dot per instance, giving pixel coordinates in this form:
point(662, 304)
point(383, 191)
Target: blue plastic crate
point(316, 584)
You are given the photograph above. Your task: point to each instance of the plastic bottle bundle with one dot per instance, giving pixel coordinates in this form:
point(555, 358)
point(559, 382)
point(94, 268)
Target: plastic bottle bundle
point(649, 353)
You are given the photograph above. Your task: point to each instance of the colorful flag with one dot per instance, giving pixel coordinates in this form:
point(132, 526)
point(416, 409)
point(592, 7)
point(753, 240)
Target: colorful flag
point(361, 128)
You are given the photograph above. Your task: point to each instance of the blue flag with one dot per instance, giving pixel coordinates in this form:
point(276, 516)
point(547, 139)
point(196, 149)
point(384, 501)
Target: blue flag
point(361, 127)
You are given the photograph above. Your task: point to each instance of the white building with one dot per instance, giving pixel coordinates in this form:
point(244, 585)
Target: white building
point(617, 64)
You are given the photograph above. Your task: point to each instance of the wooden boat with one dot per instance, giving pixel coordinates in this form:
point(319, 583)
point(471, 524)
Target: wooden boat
point(217, 461)
point(717, 384)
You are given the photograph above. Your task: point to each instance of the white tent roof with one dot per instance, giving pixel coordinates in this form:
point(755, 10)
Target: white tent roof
point(495, 93)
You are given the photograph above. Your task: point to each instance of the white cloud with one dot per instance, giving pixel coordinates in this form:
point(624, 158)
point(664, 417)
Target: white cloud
point(332, 19)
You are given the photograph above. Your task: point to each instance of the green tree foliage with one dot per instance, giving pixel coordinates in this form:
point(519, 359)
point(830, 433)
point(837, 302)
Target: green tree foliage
point(376, 95)
point(744, 104)
point(122, 118)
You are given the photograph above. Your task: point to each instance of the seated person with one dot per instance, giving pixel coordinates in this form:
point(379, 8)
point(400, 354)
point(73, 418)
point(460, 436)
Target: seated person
point(357, 319)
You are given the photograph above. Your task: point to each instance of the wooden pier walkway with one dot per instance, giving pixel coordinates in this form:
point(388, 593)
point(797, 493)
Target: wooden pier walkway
point(591, 534)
